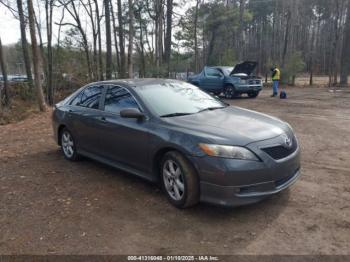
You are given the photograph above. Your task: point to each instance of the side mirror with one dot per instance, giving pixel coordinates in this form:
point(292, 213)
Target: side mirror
point(131, 113)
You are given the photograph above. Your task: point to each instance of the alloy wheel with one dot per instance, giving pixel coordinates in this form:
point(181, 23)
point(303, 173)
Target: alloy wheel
point(67, 144)
point(173, 180)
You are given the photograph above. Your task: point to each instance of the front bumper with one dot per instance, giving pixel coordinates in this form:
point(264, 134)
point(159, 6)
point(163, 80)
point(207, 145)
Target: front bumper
point(248, 88)
point(232, 182)
point(234, 196)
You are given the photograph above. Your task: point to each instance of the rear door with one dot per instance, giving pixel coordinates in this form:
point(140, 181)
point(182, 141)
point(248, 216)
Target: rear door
point(124, 140)
point(85, 114)
point(213, 80)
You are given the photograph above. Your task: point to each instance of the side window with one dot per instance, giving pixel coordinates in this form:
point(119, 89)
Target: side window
point(90, 97)
point(117, 99)
point(211, 72)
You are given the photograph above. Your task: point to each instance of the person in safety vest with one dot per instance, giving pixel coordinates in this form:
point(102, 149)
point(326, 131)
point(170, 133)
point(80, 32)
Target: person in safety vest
point(276, 77)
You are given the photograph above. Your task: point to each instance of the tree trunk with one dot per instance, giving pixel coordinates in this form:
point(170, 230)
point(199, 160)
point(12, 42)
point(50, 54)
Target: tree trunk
point(37, 60)
point(169, 25)
point(345, 57)
point(286, 37)
point(94, 19)
point(108, 40)
point(48, 11)
point(131, 39)
point(240, 29)
point(196, 67)
point(58, 50)
point(4, 75)
point(211, 47)
point(160, 32)
point(121, 39)
point(24, 43)
point(115, 38)
point(158, 19)
point(98, 22)
point(143, 63)
point(333, 79)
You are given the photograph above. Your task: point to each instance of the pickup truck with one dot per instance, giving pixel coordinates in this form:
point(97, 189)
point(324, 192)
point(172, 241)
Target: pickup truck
point(231, 81)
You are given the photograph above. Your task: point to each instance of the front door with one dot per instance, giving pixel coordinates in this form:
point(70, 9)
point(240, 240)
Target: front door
point(213, 80)
point(125, 140)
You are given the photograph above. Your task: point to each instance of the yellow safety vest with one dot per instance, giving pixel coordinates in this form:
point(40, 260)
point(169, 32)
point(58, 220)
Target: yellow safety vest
point(277, 75)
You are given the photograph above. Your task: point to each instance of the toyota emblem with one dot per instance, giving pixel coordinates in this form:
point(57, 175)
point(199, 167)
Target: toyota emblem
point(288, 143)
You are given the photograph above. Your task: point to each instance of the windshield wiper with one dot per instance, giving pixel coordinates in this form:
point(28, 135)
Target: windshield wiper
point(211, 109)
point(176, 114)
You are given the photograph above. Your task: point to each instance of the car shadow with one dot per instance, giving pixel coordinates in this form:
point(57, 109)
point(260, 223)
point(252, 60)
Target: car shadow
point(241, 97)
point(274, 202)
point(126, 201)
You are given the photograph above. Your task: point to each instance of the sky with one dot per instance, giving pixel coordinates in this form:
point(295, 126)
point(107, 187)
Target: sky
point(10, 30)
point(9, 27)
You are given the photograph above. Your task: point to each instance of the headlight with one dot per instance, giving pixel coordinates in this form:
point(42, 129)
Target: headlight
point(234, 152)
point(290, 127)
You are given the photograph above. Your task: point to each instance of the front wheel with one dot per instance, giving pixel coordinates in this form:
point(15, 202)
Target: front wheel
point(253, 94)
point(179, 180)
point(229, 92)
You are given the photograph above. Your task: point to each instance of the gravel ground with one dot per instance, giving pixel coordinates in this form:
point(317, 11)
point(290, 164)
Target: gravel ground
point(52, 206)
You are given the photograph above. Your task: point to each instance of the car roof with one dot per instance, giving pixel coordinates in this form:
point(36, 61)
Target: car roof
point(138, 82)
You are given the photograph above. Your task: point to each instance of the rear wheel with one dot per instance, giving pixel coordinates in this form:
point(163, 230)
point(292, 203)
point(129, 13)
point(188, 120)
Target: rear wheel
point(253, 94)
point(179, 180)
point(68, 145)
point(229, 91)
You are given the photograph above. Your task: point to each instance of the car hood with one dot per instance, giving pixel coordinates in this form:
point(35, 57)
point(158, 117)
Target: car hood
point(231, 126)
point(246, 67)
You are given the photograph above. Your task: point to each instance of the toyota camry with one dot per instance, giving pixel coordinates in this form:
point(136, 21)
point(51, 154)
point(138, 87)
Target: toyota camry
point(197, 147)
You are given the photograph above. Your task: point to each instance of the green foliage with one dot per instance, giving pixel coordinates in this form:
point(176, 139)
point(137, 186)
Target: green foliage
point(181, 62)
point(217, 26)
point(293, 66)
point(227, 57)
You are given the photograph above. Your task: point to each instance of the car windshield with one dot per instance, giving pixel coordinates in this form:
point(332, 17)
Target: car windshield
point(177, 98)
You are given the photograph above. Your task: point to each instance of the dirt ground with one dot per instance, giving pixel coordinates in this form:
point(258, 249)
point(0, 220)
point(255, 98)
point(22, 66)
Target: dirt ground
point(51, 206)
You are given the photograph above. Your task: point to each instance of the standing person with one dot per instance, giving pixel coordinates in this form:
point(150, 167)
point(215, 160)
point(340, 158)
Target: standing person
point(276, 77)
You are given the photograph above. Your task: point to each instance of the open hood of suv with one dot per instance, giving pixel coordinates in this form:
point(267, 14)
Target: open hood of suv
point(245, 68)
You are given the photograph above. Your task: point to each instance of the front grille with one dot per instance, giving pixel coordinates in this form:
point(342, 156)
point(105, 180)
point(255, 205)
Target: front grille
point(254, 82)
point(280, 152)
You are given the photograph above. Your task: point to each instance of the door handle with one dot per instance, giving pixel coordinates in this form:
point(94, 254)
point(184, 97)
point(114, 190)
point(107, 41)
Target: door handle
point(103, 119)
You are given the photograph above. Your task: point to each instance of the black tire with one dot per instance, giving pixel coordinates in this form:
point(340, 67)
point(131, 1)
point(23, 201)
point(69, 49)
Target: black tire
point(230, 92)
point(190, 196)
point(253, 94)
point(69, 154)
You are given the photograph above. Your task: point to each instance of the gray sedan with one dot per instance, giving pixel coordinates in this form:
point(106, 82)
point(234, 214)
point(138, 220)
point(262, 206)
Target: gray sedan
point(195, 146)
